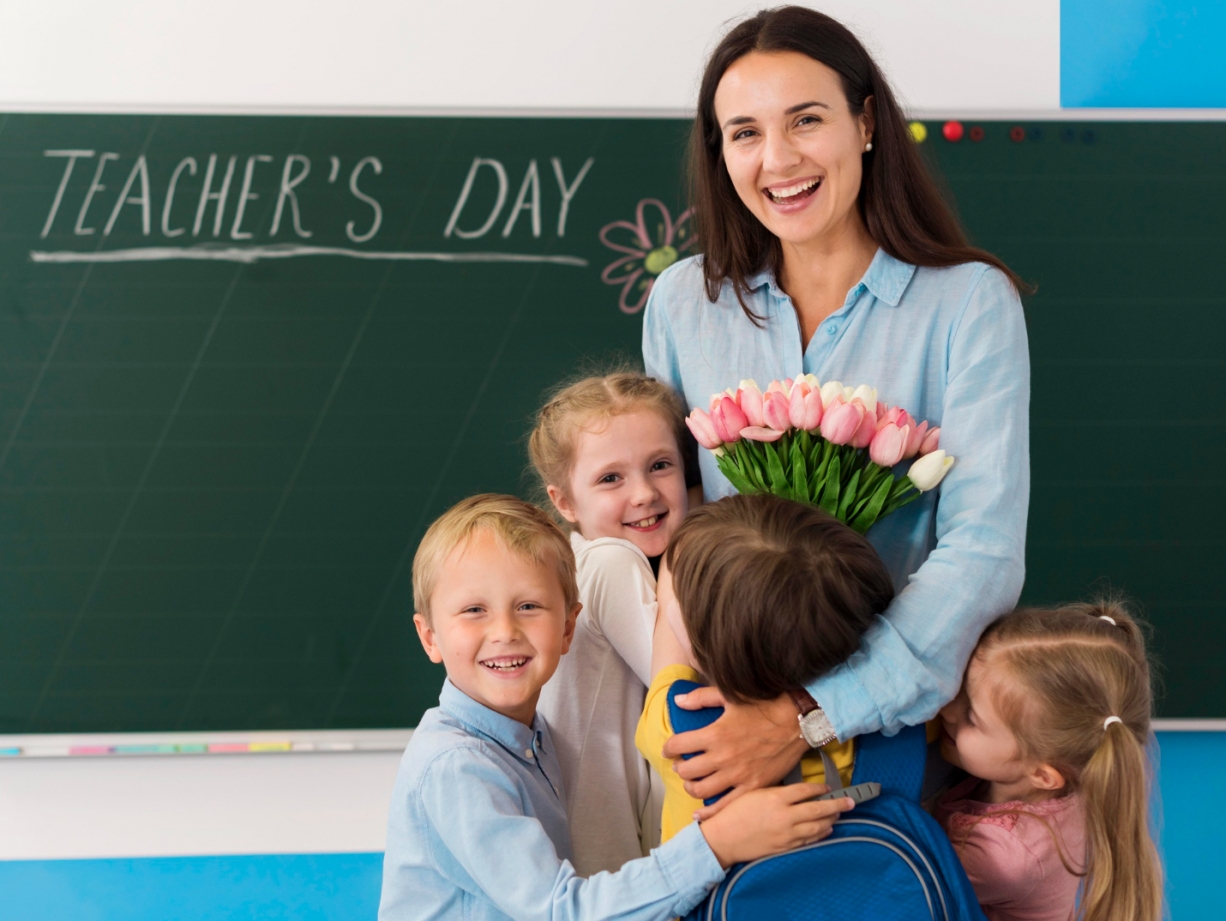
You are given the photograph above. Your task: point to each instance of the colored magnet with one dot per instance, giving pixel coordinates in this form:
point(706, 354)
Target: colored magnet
point(1017, 134)
point(919, 131)
point(952, 131)
point(976, 134)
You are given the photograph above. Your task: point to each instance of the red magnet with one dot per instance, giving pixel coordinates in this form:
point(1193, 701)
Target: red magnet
point(976, 134)
point(1017, 134)
point(952, 131)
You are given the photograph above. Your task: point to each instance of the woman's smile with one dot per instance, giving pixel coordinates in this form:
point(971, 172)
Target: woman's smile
point(793, 195)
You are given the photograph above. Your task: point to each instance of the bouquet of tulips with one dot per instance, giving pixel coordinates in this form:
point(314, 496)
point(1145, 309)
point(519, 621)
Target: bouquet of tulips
point(824, 444)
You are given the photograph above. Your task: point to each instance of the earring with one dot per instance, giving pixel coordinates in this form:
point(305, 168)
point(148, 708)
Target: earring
point(868, 146)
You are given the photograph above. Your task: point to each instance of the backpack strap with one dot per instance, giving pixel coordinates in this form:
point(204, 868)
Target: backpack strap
point(688, 720)
point(896, 762)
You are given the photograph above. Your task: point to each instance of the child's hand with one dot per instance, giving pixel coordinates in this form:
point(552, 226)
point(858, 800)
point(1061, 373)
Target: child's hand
point(769, 821)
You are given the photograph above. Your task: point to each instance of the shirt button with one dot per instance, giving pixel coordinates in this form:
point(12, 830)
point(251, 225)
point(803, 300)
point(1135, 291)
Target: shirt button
point(831, 329)
point(527, 753)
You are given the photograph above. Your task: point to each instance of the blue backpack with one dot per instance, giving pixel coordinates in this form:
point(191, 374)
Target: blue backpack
point(886, 860)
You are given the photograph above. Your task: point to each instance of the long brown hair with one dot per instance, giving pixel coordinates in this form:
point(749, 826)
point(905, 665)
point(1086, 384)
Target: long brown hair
point(1063, 672)
point(773, 593)
point(899, 201)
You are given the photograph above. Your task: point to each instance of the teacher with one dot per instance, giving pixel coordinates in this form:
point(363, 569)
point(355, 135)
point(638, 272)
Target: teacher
point(827, 249)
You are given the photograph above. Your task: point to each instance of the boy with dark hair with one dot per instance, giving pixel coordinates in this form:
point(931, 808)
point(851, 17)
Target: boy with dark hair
point(758, 596)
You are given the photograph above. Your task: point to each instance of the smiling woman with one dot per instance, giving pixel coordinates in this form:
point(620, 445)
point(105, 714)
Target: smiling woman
point(826, 249)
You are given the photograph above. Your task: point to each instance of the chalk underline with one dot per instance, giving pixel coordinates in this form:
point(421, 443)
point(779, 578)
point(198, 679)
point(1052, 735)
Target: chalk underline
point(249, 254)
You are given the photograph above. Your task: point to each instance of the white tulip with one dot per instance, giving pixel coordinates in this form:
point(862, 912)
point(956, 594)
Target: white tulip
point(811, 380)
point(866, 395)
point(928, 471)
point(830, 390)
point(749, 384)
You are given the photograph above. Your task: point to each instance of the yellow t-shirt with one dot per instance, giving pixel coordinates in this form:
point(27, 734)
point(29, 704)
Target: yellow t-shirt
point(654, 730)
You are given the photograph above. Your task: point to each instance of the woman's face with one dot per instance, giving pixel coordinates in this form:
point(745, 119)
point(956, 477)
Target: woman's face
point(793, 148)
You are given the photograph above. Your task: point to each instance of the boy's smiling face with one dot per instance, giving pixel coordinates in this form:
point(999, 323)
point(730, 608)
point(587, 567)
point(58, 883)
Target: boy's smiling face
point(499, 623)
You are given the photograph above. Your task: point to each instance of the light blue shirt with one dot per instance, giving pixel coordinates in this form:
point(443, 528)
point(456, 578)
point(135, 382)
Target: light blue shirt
point(478, 832)
point(948, 345)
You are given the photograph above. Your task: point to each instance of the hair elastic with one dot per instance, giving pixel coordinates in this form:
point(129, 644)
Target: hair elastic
point(1110, 620)
point(1111, 719)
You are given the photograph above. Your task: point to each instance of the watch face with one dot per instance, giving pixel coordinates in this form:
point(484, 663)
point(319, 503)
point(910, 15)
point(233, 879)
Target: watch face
point(817, 728)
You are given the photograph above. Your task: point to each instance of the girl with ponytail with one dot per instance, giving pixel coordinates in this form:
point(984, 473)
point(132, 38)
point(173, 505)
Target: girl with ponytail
point(1052, 724)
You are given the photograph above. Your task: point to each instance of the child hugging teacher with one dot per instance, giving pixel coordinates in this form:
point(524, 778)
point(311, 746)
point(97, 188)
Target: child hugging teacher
point(826, 249)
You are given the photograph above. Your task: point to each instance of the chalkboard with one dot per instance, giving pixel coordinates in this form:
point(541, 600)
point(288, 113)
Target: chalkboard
point(228, 413)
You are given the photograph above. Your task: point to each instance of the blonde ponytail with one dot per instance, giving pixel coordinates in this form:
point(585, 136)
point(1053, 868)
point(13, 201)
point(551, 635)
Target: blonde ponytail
point(1122, 879)
point(1081, 701)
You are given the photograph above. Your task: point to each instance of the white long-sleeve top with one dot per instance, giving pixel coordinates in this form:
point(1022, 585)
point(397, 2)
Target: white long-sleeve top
point(593, 702)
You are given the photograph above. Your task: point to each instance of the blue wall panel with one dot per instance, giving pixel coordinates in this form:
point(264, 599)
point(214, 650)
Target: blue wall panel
point(1143, 53)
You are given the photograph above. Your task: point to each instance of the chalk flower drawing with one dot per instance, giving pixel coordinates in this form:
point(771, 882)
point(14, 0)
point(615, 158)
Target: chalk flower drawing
point(651, 244)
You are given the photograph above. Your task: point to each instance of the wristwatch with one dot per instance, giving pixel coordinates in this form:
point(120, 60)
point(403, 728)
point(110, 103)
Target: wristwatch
point(815, 725)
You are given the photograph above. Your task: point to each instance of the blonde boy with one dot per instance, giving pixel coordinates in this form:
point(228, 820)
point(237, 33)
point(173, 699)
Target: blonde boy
point(478, 823)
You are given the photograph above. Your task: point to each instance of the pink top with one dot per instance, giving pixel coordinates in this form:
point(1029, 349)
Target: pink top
point(1011, 852)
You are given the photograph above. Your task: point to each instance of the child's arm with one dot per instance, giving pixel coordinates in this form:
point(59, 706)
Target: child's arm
point(484, 844)
point(1002, 870)
point(666, 649)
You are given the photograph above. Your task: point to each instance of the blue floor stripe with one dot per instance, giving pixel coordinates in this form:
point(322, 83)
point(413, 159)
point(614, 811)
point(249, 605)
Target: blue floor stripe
point(302, 887)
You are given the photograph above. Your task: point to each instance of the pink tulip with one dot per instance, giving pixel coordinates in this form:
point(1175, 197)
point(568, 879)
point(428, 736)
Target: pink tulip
point(728, 420)
point(750, 400)
point(704, 429)
point(866, 431)
point(841, 422)
point(881, 411)
point(775, 410)
point(889, 445)
point(777, 387)
point(916, 439)
point(805, 408)
point(758, 433)
point(931, 441)
point(715, 398)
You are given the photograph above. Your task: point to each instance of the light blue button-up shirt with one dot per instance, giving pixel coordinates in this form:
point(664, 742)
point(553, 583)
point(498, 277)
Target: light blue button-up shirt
point(948, 345)
point(478, 832)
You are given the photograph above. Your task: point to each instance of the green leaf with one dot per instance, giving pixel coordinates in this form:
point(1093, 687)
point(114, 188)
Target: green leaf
point(752, 465)
point(830, 492)
point(898, 502)
point(736, 476)
point(848, 496)
point(800, 472)
point(779, 484)
point(872, 511)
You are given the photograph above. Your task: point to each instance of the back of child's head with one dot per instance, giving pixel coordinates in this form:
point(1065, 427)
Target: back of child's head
point(587, 404)
point(522, 527)
point(1073, 685)
point(773, 593)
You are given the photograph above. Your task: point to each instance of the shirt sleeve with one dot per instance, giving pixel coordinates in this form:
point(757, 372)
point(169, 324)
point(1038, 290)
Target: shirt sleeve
point(621, 593)
point(911, 660)
point(1002, 870)
point(659, 348)
point(508, 859)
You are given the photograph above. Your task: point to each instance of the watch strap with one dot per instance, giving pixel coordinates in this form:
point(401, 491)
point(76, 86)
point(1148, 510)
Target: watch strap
point(804, 701)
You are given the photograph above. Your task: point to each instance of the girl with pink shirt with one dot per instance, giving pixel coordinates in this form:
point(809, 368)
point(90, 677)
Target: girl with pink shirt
point(1052, 725)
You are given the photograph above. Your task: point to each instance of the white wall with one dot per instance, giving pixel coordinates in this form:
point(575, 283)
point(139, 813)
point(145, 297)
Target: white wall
point(958, 57)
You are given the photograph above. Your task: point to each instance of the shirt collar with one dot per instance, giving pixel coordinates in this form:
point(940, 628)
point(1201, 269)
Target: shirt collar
point(511, 734)
point(887, 278)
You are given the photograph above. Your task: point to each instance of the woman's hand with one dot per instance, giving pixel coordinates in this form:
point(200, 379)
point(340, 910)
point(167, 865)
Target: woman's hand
point(751, 746)
point(766, 822)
